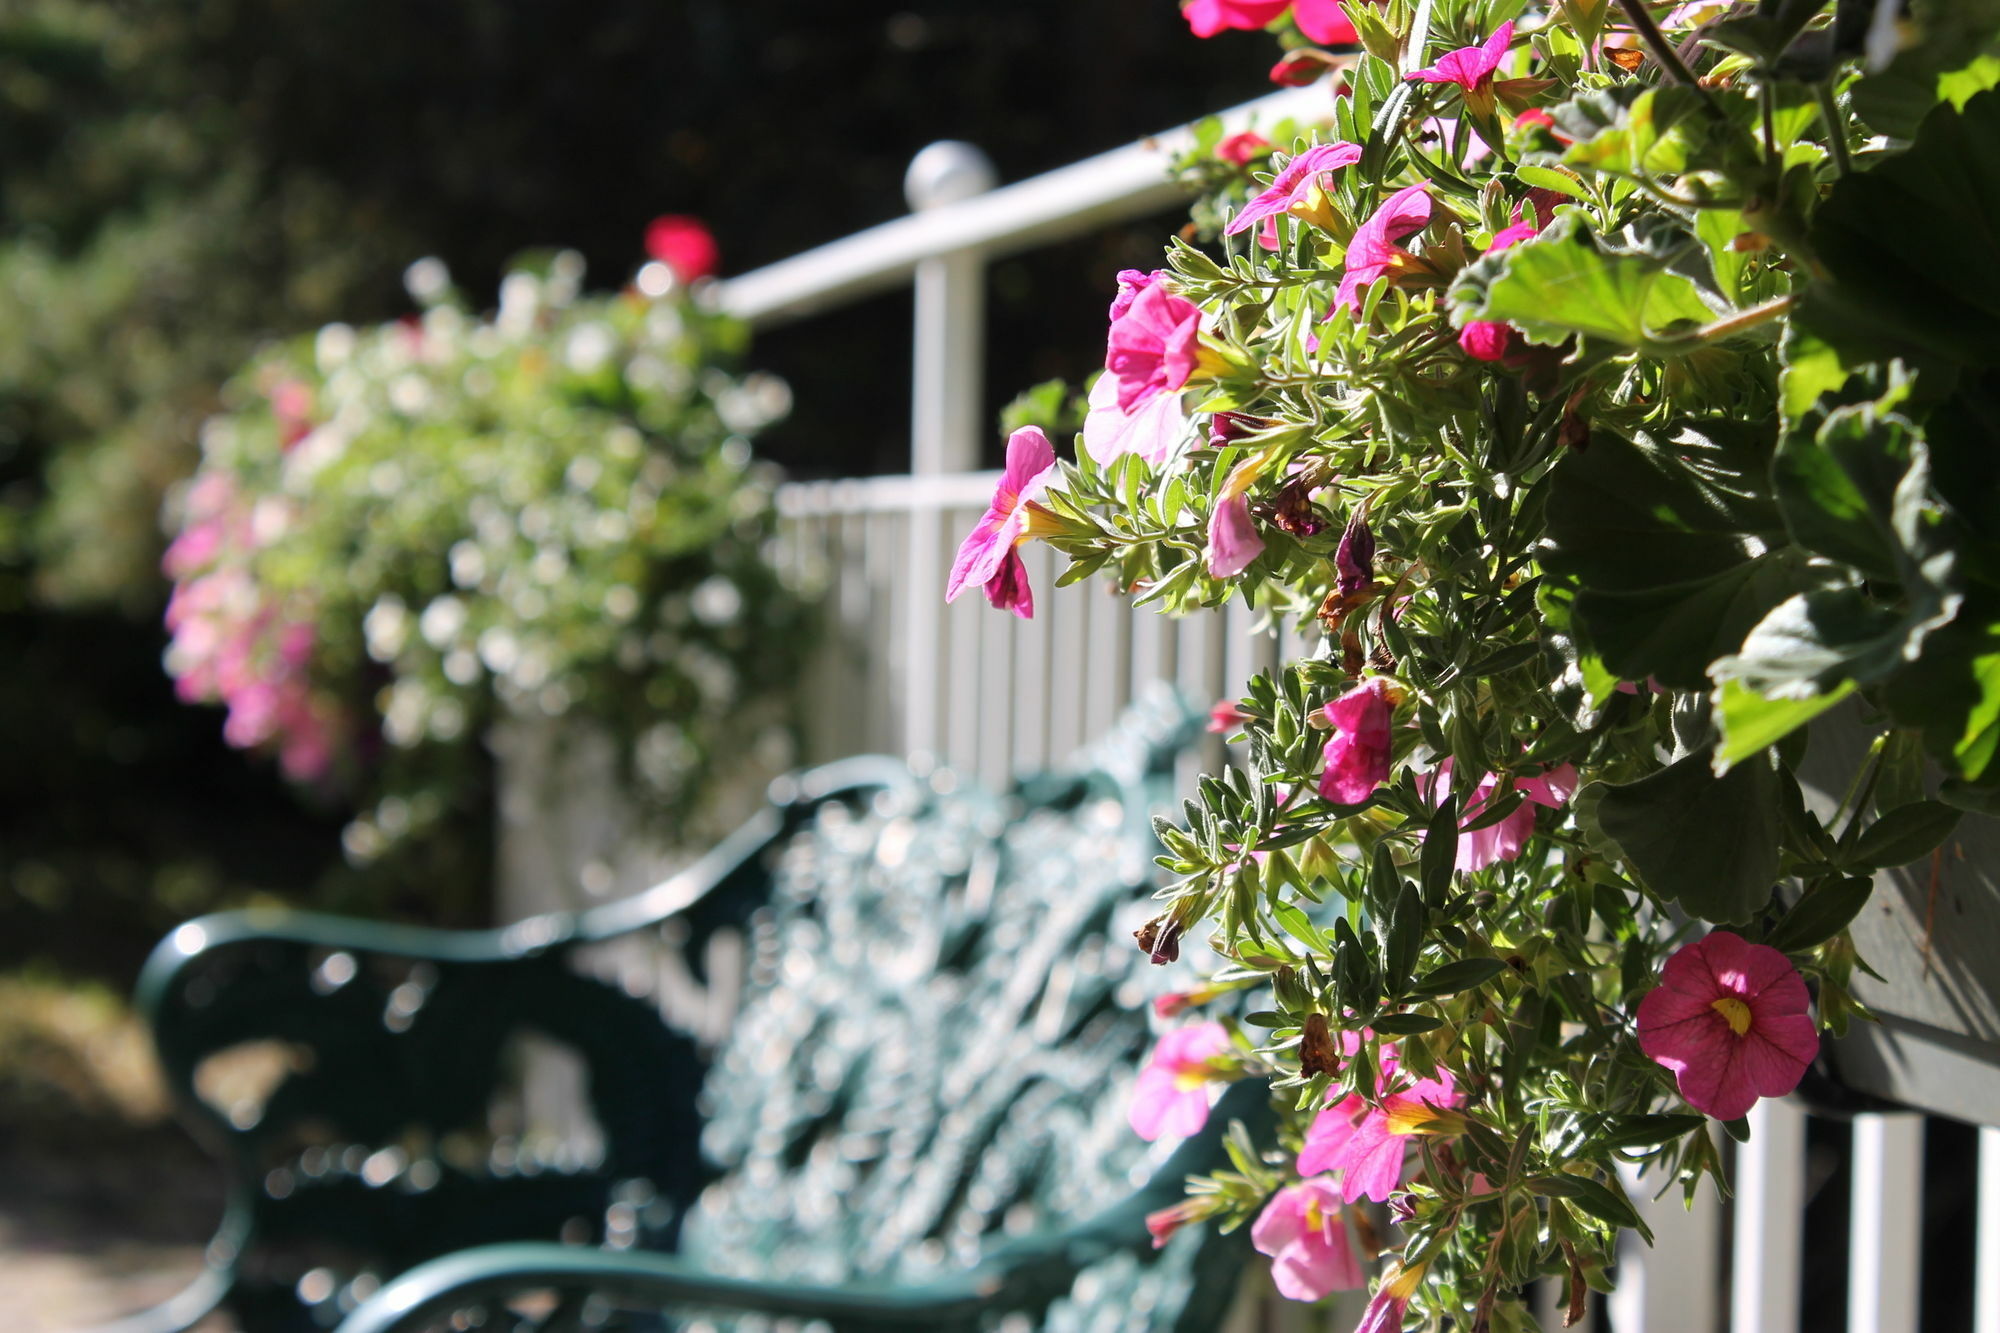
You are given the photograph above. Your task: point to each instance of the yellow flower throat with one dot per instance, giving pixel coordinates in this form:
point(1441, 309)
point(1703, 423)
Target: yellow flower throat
point(1737, 1012)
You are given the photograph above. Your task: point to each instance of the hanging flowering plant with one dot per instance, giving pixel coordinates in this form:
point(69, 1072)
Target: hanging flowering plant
point(397, 534)
point(1610, 390)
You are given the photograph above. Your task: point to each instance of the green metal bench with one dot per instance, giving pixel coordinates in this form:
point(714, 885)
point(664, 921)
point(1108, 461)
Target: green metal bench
point(916, 1118)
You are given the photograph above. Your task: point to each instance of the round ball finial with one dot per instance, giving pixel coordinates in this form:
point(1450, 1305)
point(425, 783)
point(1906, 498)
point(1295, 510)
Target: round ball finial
point(945, 173)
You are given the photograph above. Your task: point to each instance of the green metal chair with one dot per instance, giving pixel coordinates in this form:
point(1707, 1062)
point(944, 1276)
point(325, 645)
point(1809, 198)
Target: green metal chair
point(915, 1119)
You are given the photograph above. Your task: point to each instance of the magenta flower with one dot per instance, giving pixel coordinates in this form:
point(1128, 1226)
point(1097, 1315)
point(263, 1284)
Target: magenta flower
point(1162, 1223)
point(1153, 346)
point(1505, 840)
point(1209, 17)
point(1325, 22)
point(1373, 253)
point(1730, 1019)
point(1293, 186)
point(1364, 1142)
point(1472, 68)
point(1152, 431)
point(1170, 1098)
point(1304, 1231)
point(1232, 536)
point(1131, 282)
point(1357, 757)
point(1240, 150)
point(1226, 717)
point(1385, 1312)
point(987, 556)
point(683, 244)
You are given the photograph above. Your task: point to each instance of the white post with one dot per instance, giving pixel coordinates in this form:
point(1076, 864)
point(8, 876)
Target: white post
point(1770, 1206)
point(947, 398)
point(1986, 1259)
point(1887, 1223)
point(1674, 1286)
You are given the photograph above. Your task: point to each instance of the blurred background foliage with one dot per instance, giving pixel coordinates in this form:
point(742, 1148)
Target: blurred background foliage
point(183, 181)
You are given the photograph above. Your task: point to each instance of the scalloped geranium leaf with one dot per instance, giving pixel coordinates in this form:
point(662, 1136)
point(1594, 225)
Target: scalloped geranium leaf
point(1951, 58)
point(1566, 284)
point(1709, 843)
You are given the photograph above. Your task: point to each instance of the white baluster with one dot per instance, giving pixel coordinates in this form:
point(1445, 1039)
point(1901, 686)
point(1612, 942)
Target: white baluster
point(1770, 1214)
point(1886, 1224)
point(947, 399)
point(1986, 1260)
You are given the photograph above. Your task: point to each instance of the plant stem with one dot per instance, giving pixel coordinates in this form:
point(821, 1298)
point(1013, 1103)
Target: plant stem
point(1664, 52)
point(1836, 131)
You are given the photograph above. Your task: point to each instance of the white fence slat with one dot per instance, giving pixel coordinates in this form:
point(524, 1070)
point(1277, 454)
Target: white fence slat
point(1886, 1223)
point(1770, 1210)
point(1068, 646)
point(1674, 1285)
point(1025, 718)
point(1986, 1258)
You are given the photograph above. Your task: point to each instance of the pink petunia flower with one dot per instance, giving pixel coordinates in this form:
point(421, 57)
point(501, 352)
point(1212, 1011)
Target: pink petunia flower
point(987, 556)
point(1226, 717)
point(1162, 1223)
point(1325, 22)
point(1357, 756)
point(1241, 150)
point(1232, 535)
point(1364, 1142)
point(1505, 840)
point(685, 245)
point(1209, 17)
point(1131, 282)
point(1304, 1231)
point(1152, 431)
point(1293, 187)
point(1154, 346)
point(1472, 68)
point(1171, 1096)
point(1373, 253)
point(1731, 1019)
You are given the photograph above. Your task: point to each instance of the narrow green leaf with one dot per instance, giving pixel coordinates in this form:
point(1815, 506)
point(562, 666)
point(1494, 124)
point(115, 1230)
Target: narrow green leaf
point(1822, 912)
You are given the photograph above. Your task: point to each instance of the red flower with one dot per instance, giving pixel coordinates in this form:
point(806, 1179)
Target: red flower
point(1243, 149)
point(683, 244)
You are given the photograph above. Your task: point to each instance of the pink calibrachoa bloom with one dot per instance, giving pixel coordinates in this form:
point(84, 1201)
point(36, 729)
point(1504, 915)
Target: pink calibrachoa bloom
point(1364, 1142)
point(1232, 535)
point(1226, 717)
point(987, 556)
point(1391, 1300)
point(1357, 756)
point(1209, 17)
point(1505, 840)
point(1131, 282)
point(1171, 1096)
point(1153, 348)
point(685, 245)
point(1304, 1231)
point(1163, 1223)
point(1292, 189)
point(1731, 1019)
point(1373, 253)
point(1472, 68)
point(1325, 22)
point(1240, 150)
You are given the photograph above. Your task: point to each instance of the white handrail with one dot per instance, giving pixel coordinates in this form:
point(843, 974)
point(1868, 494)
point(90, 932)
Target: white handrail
point(1112, 187)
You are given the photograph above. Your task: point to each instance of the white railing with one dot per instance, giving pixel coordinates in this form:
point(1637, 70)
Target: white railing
point(989, 695)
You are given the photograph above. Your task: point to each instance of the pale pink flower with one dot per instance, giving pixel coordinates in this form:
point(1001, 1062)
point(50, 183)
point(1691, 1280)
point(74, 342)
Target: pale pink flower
point(987, 557)
point(1365, 1142)
point(1505, 840)
point(1293, 185)
point(1153, 431)
point(1373, 253)
point(1232, 536)
point(1357, 756)
point(1171, 1097)
point(1731, 1019)
point(1304, 1231)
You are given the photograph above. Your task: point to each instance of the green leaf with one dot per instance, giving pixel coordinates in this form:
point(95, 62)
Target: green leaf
point(1440, 852)
point(1462, 974)
point(1547, 178)
point(1887, 294)
point(1907, 833)
point(1643, 1131)
point(1564, 284)
point(1750, 722)
point(1822, 912)
point(1709, 843)
point(1591, 1197)
point(1406, 1025)
point(1951, 58)
point(1673, 633)
point(1664, 131)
